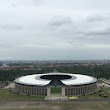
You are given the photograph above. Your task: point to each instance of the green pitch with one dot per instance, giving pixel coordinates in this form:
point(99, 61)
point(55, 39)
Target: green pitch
point(55, 89)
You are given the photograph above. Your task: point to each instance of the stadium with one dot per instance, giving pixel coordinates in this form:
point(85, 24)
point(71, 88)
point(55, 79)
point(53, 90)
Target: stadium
point(61, 83)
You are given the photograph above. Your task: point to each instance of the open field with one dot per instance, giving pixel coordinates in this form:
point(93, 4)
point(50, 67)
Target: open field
point(12, 101)
point(49, 105)
point(5, 94)
point(55, 89)
point(104, 93)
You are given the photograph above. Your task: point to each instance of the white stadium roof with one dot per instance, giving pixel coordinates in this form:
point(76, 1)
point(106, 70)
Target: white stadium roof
point(77, 79)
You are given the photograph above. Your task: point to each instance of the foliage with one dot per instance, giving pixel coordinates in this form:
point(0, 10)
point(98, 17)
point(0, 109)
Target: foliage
point(95, 71)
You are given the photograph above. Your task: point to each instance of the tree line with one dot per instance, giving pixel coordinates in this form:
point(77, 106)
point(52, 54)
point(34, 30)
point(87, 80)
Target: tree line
point(95, 71)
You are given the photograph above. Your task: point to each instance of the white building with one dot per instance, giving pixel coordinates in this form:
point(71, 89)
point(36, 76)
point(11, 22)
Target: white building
point(70, 84)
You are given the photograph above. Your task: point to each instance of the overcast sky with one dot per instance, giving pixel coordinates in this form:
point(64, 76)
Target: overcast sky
point(54, 29)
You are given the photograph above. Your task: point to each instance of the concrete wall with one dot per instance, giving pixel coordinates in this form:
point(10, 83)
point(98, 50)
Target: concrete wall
point(80, 90)
point(46, 91)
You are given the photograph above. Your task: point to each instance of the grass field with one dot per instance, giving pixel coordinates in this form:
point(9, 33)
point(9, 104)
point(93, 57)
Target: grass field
point(5, 94)
point(55, 105)
point(102, 94)
point(19, 109)
point(7, 102)
point(55, 89)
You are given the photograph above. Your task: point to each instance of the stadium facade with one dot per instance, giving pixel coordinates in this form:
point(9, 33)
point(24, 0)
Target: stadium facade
point(42, 84)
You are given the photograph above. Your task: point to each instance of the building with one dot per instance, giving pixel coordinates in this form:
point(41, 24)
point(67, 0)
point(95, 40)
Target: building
point(44, 84)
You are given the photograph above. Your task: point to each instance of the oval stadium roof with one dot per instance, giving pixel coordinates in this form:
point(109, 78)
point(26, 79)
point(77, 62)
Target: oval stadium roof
point(76, 79)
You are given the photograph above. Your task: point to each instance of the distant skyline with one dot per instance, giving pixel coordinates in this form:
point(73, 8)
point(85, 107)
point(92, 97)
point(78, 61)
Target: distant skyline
point(54, 29)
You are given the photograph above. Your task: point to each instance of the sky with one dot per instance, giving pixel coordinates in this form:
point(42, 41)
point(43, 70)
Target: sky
point(54, 29)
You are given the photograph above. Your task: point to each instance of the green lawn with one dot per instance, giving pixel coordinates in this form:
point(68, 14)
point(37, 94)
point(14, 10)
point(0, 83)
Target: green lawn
point(20, 109)
point(55, 89)
point(5, 94)
point(102, 94)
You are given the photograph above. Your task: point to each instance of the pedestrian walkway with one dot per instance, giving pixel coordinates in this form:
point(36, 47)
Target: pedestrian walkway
point(56, 97)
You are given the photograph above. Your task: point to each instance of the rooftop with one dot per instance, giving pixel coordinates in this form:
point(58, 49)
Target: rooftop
point(74, 79)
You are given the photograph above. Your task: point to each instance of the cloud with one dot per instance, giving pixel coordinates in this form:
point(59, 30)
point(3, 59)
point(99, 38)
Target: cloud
point(99, 32)
point(98, 18)
point(11, 27)
point(54, 28)
point(4, 45)
point(60, 21)
point(20, 3)
point(37, 45)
